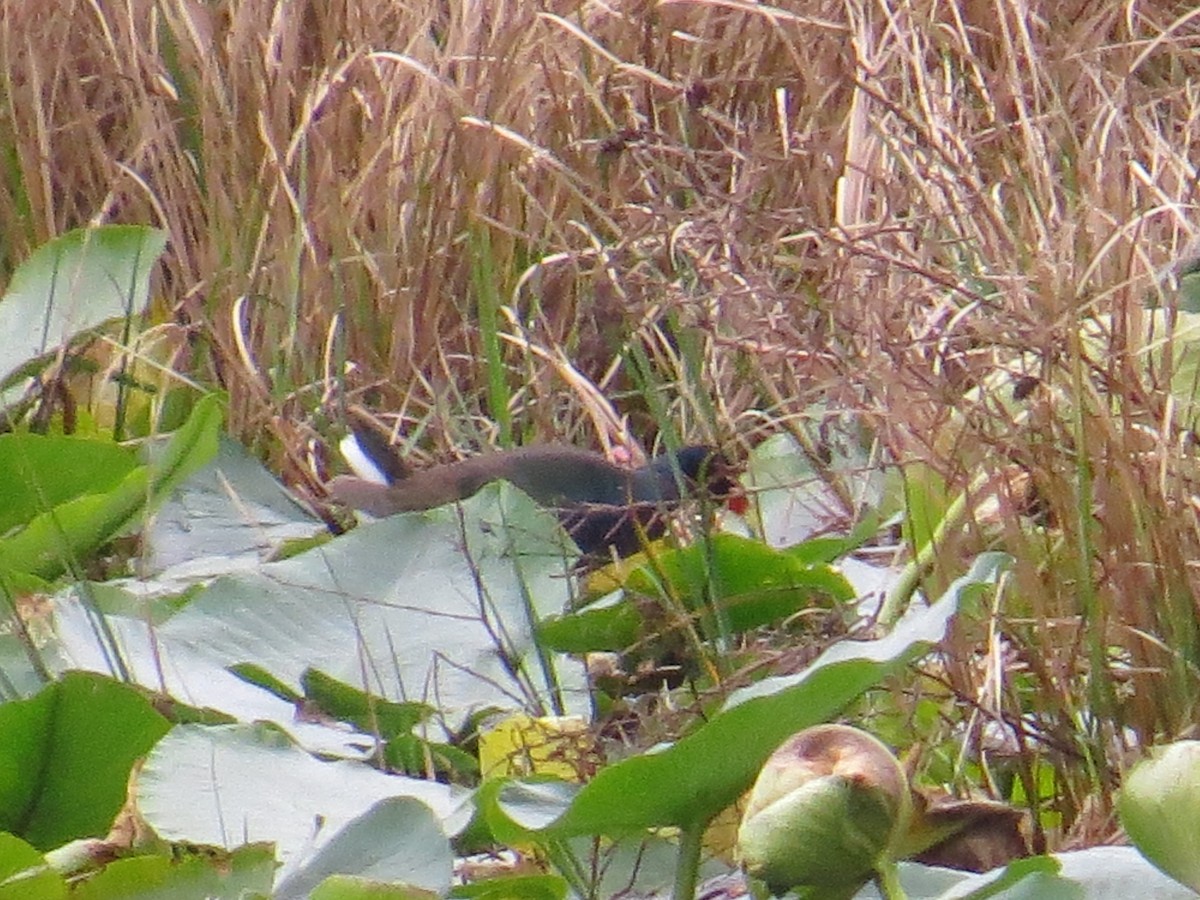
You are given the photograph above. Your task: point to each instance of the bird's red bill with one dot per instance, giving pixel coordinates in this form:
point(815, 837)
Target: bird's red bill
point(738, 503)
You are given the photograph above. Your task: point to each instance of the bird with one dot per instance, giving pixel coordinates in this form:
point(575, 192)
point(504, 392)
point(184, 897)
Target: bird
point(604, 507)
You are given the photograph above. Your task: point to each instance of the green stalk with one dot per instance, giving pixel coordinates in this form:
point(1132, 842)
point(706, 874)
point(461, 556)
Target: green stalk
point(902, 590)
point(1100, 688)
point(687, 867)
point(565, 864)
point(887, 879)
point(122, 379)
point(487, 299)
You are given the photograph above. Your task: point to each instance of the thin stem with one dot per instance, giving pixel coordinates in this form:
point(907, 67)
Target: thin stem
point(902, 590)
point(887, 879)
point(687, 869)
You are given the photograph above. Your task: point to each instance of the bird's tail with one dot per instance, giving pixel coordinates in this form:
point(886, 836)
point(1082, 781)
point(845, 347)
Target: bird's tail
point(369, 451)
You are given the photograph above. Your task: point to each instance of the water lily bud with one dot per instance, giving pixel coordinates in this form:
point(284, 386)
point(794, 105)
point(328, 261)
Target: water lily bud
point(826, 811)
point(1159, 807)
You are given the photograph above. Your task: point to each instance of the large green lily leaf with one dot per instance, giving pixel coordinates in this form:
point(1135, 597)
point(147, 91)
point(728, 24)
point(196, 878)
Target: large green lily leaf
point(245, 872)
point(24, 874)
point(527, 887)
point(74, 283)
point(1097, 873)
point(184, 672)
point(349, 887)
point(230, 515)
point(41, 471)
point(74, 529)
point(691, 781)
point(744, 582)
point(66, 756)
point(398, 839)
point(436, 606)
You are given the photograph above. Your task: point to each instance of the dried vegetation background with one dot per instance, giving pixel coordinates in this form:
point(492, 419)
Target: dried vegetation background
point(518, 219)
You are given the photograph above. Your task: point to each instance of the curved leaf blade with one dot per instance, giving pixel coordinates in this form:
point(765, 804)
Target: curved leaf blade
point(688, 783)
point(66, 757)
point(75, 529)
point(73, 283)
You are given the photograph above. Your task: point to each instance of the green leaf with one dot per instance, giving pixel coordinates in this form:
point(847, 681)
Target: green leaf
point(1035, 878)
point(77, 528)
point(743, 582)
point(39, 472)
point(517, 887)
point(831, 548)
point(72, 284)
point(613, 627)
point(66, 757)
point(24, 874)
point(1189, 292)
point(1159, 807)
point(925, 505)
point(214, 876)
point(190, 448)
point(260, 677)
point(372, 715)
point(346, 887)
point(391, 722)
point(691, 781)
point(751, 583)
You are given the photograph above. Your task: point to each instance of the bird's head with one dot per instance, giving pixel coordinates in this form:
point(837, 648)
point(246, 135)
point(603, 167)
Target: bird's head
point(710, 469)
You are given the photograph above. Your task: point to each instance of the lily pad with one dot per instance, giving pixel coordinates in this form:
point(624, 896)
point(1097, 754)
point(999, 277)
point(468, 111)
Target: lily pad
point(225, 786)
point(74, 283)
point(66, 757)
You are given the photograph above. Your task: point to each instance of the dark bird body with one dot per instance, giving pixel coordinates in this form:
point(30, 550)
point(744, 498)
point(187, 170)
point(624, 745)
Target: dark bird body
point(600, 504)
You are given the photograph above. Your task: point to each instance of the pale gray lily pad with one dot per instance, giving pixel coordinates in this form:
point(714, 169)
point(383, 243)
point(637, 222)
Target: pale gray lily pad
point(188, 676)
point(398, 840)
point(792, 501)
point(434, 606)
point(870, 582)
point(227, 517)
point(226, 786)
point(74, 283)
point(1097, 873)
